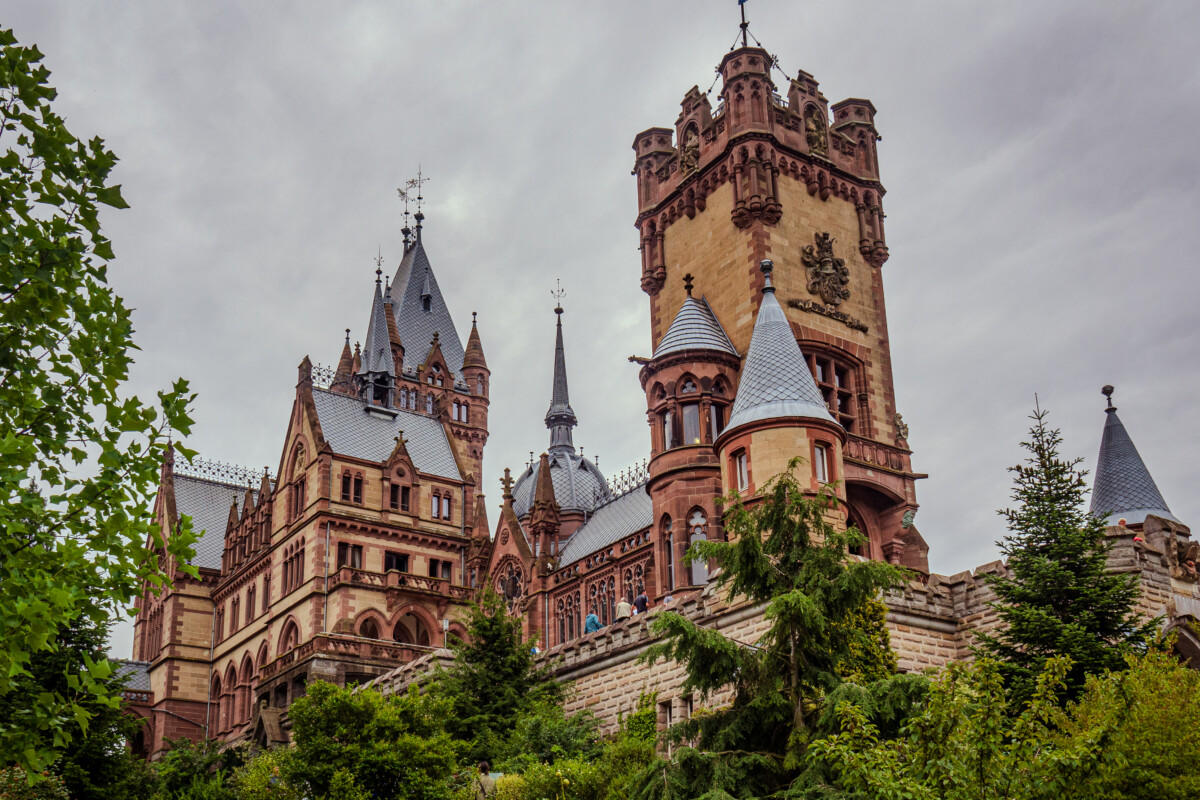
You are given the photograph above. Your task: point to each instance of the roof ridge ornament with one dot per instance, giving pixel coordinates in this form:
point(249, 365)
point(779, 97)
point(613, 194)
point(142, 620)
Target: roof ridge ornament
point(767, 266)
point(1107, 391)
point(687, 283)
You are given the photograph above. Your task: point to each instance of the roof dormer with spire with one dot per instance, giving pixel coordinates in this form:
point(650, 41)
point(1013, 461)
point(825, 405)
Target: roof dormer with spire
point(1123, 491)
point(377, 372)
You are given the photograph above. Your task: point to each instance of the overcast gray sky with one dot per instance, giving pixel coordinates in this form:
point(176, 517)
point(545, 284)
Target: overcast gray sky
point(1040, 160)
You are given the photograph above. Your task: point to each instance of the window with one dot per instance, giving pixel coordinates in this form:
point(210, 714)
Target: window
point(358, 486)
point(689, 386)
point(668, 430)
point(433, 567)
point(479, 385)
point(346, 487)
point(250, 604)
point(428, 404)
point(220, 624)
point(670, 540)
point(298, 499)
point(743, 476)
point(440, 569)
point(394, 498)
point(350, 555)
point(446, 507)
point(446, 570)
point(404, 498)
point(466, 415)
point(691, 424)
point(233, 615)
point(836, 380)
point(716, 420)
point(435, 506)
point(457, 410)
point(395, 562)
point(426, 303)
point(821, 463)
point(699, 566)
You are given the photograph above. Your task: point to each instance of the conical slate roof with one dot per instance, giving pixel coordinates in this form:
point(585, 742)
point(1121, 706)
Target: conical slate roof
point(775, 378)
point(416, 326)
point(1123, 488)
point(377, 349)
point(474, 354)
point(695, 328)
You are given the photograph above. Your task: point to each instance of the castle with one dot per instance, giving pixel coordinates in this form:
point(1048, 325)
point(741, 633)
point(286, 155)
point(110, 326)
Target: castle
point(762, 240)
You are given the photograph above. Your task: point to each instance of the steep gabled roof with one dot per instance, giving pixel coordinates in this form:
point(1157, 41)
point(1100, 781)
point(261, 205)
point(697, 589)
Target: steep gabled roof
point(608, 524)
point(208, 503)
point(416, 326)
point(695, 328)
point(352, 431)
point(1123, 488)
point(775, 380)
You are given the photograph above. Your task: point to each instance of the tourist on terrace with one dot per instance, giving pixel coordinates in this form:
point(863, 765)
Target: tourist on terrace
point(639, 602)
point(624, 610)
point(592, 623)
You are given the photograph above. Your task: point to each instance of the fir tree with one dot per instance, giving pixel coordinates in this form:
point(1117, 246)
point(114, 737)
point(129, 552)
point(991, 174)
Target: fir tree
point(1058, 597)
point(784, 554)
point(494, 678)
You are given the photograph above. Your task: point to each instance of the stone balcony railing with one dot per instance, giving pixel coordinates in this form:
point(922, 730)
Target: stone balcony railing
point(334, 644)
point(399, 581)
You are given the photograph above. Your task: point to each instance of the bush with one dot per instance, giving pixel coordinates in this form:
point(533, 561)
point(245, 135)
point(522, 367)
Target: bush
point(568, 779)
point(546, 734)
point(15, 785)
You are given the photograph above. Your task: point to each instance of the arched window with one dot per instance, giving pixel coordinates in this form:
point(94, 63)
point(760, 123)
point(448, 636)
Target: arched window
point(466, 412)
point(428, 404)
point(562, 622)
point(369, 629)
point(290, 639)
point(426, 303)
point(699, 566)
point(570, 617)
point(479, 385)
point(457, 410)
point(669, 539)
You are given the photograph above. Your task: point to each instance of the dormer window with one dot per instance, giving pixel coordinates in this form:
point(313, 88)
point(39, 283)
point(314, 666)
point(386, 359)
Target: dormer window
point(427, 303)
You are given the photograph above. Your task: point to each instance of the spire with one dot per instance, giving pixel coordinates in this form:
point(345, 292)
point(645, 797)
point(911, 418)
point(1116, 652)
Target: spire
point(419, 310)
point(377, 351)
point(775, 379)
point(474, 355)
point(695, 328)
point(560, 419)
point(1123, 488)
point(343, 379)
point(543, 496)
point(357, 364)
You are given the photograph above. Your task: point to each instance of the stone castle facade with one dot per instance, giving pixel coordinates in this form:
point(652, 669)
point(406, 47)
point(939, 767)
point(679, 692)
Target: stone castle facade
point(762, 248)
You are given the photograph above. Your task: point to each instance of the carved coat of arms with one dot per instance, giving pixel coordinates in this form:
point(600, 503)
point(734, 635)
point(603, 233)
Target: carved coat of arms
point(827, 275)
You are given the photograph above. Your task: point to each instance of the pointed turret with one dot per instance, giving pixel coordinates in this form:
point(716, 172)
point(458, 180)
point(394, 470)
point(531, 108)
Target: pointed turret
point(775, 382)
point(1123, 489)
point(473, 359)
point(420, 311)
point(377, 370)
point(544, 518)
point(343, 379)
point(560, 419)
point(393, 332)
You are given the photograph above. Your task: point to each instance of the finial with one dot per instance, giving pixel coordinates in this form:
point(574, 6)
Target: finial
point(473, 315)
point(1107, 391)
point(347, 337)
point(767, 266)
point(687, 283)
point(742, 7)
point(507, 483)
point(558, 293)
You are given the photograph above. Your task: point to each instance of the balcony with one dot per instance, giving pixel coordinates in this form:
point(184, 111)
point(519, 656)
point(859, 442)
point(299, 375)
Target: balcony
point(342, 646)
point(395, 581)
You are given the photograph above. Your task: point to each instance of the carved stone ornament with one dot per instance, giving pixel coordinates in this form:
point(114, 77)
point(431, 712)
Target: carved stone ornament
point(689, 154)
point(827, 276)
point(906, 521)
point(814, 130)
point(901, 427)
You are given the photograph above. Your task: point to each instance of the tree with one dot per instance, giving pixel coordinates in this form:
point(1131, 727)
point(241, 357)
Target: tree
point(98, 766)
point(785, 554)
point(967, 742)
point(78, 460)
point(1058, 597)
point(351, 742)
point(494, 679)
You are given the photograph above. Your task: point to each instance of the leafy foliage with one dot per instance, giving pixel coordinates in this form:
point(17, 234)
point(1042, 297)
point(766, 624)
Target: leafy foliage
point(1058, 597)
point(785, 554)
point(493, 680)
point(545, 734)
point(78, 461)
point(389, 747)
point(16, 785)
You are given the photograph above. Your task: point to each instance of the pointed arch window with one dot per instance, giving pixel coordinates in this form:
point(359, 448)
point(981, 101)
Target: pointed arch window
point(250, 603)
point(426, 303)
point(428, 404)
point(697, 523)
point(669, 539)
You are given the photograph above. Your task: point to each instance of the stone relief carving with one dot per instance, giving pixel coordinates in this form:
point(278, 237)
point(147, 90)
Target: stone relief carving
point(814, 130)
point(827, 275)
point(901, 428)
point(689, 154)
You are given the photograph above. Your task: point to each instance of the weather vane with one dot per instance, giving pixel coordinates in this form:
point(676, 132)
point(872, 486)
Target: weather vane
point(406, 192)
point(558, 293)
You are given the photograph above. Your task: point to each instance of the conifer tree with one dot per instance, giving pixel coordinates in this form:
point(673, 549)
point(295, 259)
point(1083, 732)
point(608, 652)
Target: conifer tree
point(1058, 597)
point(785, 554)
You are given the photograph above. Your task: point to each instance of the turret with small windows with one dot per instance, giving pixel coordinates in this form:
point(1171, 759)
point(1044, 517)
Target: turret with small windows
point(689, 388)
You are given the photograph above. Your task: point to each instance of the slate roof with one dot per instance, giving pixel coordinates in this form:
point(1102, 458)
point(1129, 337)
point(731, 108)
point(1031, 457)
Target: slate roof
point(695, 328)
point(415, 278)
point(137, 672)
point(207, 503)
point(610, 523)
point(775, 381)
point(377, 348)
point(578, 484)
point(352, 431)
point(1123, 488)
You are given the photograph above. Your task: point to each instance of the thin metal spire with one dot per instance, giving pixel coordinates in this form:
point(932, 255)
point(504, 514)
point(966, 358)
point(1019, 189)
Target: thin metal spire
point(560, 419)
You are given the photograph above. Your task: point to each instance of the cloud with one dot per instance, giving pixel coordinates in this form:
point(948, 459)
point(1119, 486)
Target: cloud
point(1042, 199)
